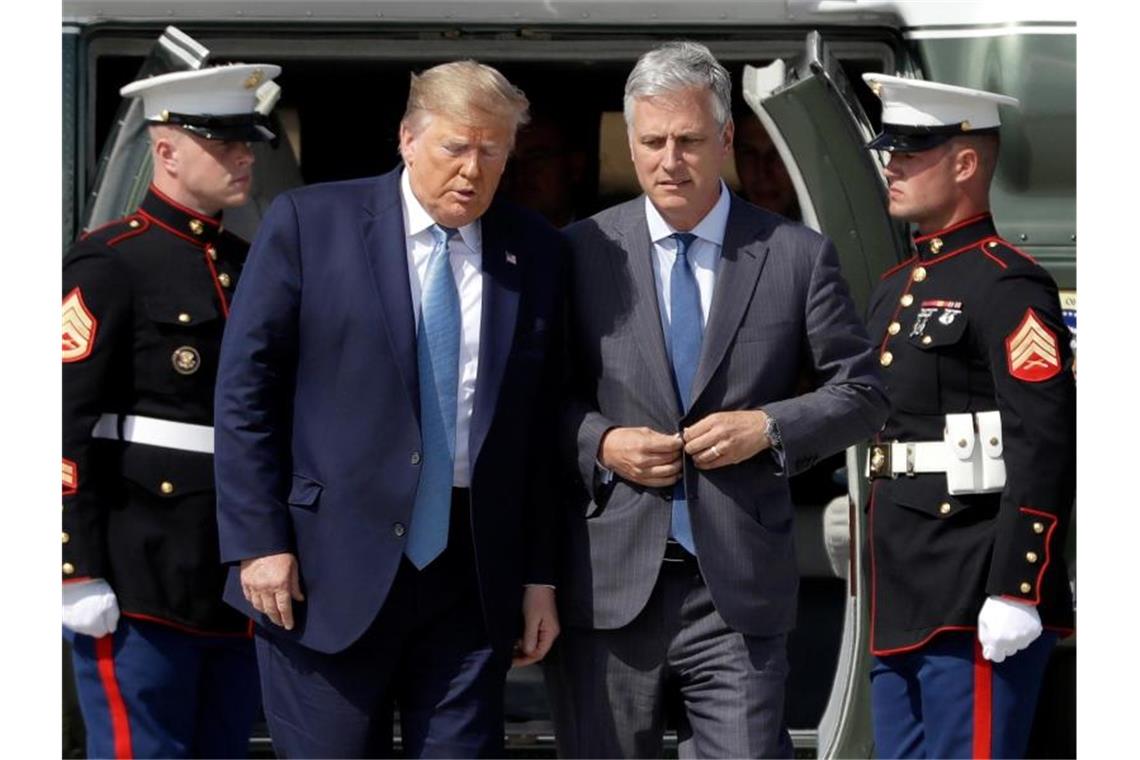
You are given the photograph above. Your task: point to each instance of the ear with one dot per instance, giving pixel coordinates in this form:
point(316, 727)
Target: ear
point(729, 132)
point(407, 142)
point(166, 155)
point(966, 164)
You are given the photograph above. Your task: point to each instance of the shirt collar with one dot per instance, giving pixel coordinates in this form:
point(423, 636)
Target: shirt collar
point(710, 228)
point(417, 219)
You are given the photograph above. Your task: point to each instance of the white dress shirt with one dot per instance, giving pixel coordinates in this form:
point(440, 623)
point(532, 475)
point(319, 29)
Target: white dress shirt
point(703, 255)
point(466, 253)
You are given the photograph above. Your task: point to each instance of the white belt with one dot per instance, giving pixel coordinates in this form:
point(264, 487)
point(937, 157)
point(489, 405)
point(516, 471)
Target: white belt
point(970, 454)
point(886, 460)
point(155, 432)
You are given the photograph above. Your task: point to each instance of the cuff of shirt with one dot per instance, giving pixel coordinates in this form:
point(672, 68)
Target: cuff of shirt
point(604, 475)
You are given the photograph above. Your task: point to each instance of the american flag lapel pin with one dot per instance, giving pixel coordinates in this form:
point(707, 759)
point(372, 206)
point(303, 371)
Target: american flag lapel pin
point(511, 258)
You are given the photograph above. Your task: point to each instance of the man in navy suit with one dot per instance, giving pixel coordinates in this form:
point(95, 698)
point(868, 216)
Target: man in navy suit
point(384, 418)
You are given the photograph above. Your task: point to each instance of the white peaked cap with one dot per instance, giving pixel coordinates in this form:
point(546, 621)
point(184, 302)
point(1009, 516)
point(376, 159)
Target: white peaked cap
point(919, 109)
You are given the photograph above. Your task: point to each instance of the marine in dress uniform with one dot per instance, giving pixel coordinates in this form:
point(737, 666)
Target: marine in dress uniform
point(973, 476)
point(163, 667)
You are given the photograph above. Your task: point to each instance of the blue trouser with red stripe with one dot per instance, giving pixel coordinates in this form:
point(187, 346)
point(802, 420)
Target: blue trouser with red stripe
point(945, 700)
point(149, 690)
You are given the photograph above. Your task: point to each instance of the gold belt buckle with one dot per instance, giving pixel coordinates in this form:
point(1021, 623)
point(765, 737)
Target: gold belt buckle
point(881, 461)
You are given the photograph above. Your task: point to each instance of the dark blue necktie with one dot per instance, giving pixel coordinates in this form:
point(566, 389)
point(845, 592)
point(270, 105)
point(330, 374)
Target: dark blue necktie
point(685, 332)
point(437, 350)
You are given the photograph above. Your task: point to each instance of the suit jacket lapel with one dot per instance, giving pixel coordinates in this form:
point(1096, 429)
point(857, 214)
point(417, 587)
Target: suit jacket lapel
point(501, 283)
point(645, 308)
point(385, 250)
point(741, 259)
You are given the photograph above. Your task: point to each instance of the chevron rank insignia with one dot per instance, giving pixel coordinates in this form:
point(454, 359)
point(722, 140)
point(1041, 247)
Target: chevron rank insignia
point(79, 327)
point(70, 477)
point(1032, 351)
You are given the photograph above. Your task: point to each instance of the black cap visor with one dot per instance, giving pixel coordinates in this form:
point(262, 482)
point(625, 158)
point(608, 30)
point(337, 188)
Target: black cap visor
point(907, 139)
point(244, 127)
point(893, 141)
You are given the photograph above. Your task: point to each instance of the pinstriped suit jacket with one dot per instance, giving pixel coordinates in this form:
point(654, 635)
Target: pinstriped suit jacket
point(779, 304)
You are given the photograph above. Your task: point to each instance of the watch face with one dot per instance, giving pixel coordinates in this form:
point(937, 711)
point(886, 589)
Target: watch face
point(772, 432)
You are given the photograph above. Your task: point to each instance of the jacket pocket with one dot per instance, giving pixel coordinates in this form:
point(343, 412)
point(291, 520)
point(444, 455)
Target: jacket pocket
point(167, 474)
point(928, 495)
point(305, 492)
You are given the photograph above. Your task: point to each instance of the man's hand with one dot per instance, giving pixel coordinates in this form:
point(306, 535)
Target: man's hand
point(1005, 627)
point(725, 438)
point(540, 626)
point(642, 456)
point(271, 584)
point(90, 608)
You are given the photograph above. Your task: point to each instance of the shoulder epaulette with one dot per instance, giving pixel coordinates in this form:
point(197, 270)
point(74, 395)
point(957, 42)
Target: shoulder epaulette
point(115, 232)
point(1005, 255)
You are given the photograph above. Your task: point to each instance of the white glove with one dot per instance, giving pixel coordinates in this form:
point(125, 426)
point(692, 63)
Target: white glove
point(837, 534)
point(1006, 627)
point(90, 608)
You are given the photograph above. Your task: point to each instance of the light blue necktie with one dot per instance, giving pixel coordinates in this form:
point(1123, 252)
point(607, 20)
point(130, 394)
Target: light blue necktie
point(685, 351)
point(437, 349)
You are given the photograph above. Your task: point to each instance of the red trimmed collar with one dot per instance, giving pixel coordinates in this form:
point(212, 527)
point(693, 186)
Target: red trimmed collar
point(956, 237)
point(180, 219)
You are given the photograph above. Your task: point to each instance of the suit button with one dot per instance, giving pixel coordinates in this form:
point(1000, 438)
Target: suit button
point(1031, 557)
point(66, 538)
point(894, 328)
point(399, 530)
point(886, 358)
point(907, 299)
point(944, 508)
point(224, 280)
point(1038, 527)
point(919, 274)
point(212, 252)
point(166, 487)
point(68, 568)
point(416, 457)
point(1026, 588)
point(134, 224)
point(927, 340)
point(936, 245)
point(184, 318)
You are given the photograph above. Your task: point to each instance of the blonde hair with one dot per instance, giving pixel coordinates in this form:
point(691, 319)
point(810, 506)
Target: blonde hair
point(466, 91)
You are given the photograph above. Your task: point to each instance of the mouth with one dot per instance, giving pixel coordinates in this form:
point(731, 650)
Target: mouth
point(673, 184)
point(464, 196)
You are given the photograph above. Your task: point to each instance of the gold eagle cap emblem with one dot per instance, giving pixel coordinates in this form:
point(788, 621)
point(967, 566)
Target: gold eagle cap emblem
point(254, 80)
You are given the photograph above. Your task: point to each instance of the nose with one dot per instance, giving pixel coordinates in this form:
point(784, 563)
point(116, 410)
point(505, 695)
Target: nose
point(472, 167)
point(671, 157)
point(893, 169)
point(243, 153)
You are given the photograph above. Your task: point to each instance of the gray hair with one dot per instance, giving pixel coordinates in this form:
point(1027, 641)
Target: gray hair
point(677, 66)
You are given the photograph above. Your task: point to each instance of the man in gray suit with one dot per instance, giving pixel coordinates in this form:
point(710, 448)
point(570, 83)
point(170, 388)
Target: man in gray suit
point(691, 315)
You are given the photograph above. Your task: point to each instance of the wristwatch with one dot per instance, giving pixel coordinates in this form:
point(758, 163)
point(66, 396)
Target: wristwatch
point(772, 430)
